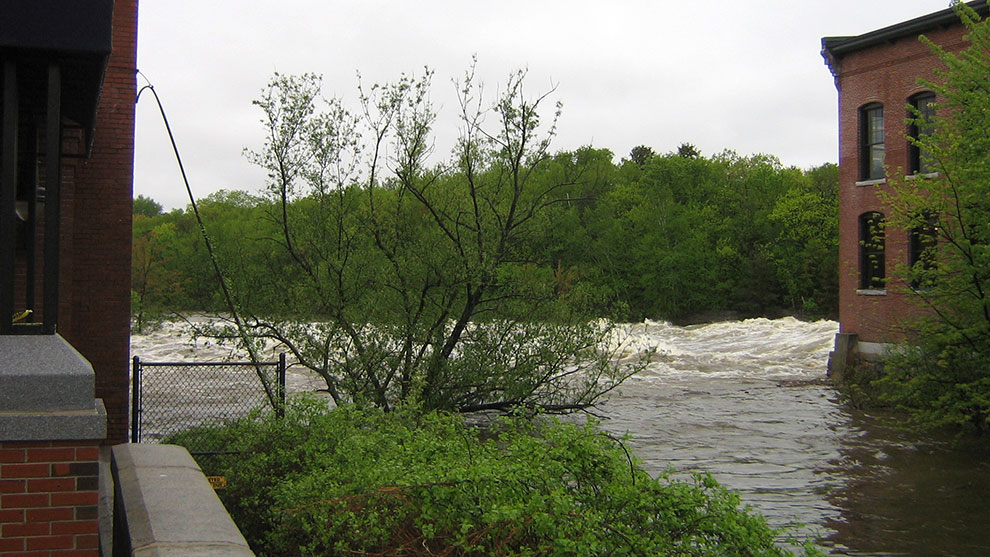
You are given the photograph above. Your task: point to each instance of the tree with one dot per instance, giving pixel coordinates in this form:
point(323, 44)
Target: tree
point(156, 286)
point(147, 206)
point(806, 250)
point(945, 378)
point(688, 150)
point(407, 281)
point(640, 154)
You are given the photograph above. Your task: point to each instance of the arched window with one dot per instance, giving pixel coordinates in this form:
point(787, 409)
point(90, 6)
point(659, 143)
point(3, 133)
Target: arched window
point(872, 270)
point(921, 253)
point(920, 117)
point(871, 146)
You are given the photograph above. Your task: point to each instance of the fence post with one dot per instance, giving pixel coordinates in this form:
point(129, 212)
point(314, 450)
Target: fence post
point(280, 411)
point(136, 400)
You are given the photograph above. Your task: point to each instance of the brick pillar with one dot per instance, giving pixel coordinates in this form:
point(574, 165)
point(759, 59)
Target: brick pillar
point(48, 498)
point(95, 288)
point(51, 429)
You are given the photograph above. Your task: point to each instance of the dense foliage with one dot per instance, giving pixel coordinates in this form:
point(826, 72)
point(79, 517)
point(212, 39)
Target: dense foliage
point(944, 379)
point(352, 481)
point(670, 238)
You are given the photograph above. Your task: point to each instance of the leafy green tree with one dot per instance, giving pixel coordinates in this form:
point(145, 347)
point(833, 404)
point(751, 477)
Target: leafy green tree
point(945, 378)
point(156, 285)
point(681, 236)
point(655, 238)
point(565, 231)
point(640, 154)
point(146, 206)
point(688, 150)
point(405, 281)
point(751, 186)
point(805, 253)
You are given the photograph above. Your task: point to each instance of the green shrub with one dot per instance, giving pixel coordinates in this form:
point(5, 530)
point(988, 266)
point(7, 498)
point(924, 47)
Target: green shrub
point(943, 382)
point(354, 481)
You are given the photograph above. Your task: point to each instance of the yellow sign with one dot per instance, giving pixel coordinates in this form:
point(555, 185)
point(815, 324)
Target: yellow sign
point(218, 482)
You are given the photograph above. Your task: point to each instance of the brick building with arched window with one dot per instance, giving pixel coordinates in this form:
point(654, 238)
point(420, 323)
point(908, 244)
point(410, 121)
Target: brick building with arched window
point(877, 76)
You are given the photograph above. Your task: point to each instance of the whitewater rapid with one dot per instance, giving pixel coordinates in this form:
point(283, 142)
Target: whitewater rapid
point(760, 348)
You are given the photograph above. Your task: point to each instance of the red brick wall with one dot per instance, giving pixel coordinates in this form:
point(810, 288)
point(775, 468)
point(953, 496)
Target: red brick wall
point(48, 499)
point(887, 74)
point(94, 314)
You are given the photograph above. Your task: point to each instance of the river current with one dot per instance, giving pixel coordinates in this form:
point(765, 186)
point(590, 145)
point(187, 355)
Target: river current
point(747, 401)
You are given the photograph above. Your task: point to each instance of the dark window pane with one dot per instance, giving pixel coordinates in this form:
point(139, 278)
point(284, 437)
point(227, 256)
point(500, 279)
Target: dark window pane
point(876, 126)
point(921, 125)
point(871, 142)
point(872, 267)
point(876, 161)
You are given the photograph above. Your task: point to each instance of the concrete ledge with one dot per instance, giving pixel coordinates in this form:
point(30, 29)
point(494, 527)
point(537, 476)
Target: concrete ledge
point(874, 350)
point(63, 425)
point(843, 355)
point(164, 506)
point(31, 361)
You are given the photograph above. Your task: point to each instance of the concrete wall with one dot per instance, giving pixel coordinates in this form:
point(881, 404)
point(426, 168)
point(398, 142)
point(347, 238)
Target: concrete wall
point(163, 505)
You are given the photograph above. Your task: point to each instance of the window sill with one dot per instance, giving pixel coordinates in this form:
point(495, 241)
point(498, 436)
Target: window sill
point(871, 292)
point(872, 182)
point(927, 176)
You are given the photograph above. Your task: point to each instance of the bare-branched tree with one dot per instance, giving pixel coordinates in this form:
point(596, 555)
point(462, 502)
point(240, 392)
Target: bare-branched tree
point(404, 281)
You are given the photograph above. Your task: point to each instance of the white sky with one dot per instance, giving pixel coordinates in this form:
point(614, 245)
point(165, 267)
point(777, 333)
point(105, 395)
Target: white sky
point(741, 75)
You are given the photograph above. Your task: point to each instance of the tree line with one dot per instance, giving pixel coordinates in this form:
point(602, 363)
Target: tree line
point(669, 236)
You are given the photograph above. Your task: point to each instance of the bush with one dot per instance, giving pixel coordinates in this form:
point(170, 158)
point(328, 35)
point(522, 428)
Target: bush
point(363, 481)
point(941, 383)
point(944, 378)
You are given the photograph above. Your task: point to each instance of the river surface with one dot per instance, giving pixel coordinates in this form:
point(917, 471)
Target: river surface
point(748, 402)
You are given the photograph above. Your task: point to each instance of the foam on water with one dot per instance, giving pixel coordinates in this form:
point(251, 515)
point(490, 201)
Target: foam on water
point(768, 348)
point(783, 348)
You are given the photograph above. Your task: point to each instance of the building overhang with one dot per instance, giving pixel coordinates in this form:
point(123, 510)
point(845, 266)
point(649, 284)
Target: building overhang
point(835, 48)
point(76, 35)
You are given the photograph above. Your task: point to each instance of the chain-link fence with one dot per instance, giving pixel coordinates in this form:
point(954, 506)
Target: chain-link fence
point(186, 402)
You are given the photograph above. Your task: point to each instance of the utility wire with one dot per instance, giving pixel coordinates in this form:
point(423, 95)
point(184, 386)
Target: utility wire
point(244, 337)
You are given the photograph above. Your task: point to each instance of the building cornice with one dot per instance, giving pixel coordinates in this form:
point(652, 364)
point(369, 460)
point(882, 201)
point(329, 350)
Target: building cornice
point(834, 48)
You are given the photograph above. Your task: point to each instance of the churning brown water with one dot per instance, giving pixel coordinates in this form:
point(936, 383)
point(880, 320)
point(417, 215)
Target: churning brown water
point(747, 401)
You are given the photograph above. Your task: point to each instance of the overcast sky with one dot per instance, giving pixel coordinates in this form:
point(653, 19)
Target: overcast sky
point(741, 75)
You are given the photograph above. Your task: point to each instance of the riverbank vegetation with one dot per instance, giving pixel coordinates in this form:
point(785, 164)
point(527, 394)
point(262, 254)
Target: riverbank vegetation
point(666, 236)
point(363, 481)
point(475, 283)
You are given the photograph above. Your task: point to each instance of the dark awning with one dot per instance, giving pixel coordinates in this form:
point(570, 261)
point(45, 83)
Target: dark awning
point(75, 34)
point(59, 25)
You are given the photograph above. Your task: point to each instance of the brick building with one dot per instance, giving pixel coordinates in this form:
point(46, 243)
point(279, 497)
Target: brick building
point(91, 44)
point(877, 75)
point(67, 84)
point(95, 293)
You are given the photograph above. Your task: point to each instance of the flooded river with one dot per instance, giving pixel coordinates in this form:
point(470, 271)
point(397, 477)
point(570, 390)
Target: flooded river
point(747, 401)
